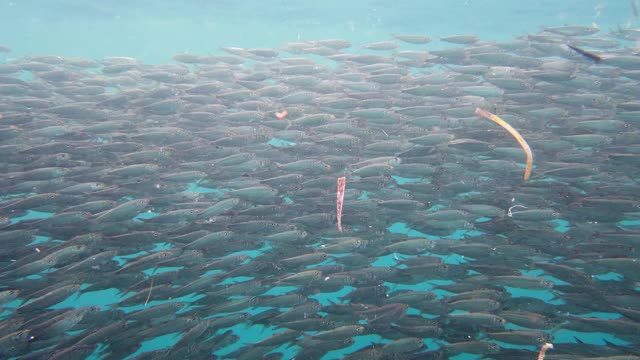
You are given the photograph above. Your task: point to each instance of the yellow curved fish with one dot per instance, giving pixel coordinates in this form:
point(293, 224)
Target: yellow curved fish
point(515, 134)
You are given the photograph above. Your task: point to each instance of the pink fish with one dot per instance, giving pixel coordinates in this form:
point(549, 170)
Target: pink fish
point(342, 183)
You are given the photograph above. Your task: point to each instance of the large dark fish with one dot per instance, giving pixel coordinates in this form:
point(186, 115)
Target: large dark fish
point(585, 53)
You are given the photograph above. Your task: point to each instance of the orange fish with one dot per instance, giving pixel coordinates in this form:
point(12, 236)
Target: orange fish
point(282, 115)
point(543, 350)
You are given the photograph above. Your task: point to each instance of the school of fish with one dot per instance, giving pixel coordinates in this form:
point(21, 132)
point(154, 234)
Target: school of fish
point(204, 192)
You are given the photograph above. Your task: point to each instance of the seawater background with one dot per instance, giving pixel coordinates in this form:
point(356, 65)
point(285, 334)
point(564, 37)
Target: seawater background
point(152, 31)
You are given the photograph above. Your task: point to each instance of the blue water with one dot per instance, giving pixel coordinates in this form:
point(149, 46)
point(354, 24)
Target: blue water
point(152, 31)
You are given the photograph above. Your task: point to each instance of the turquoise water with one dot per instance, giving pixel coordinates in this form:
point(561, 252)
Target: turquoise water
point(153, 31)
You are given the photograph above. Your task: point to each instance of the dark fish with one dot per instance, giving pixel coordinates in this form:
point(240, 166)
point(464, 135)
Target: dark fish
point(587, 54)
